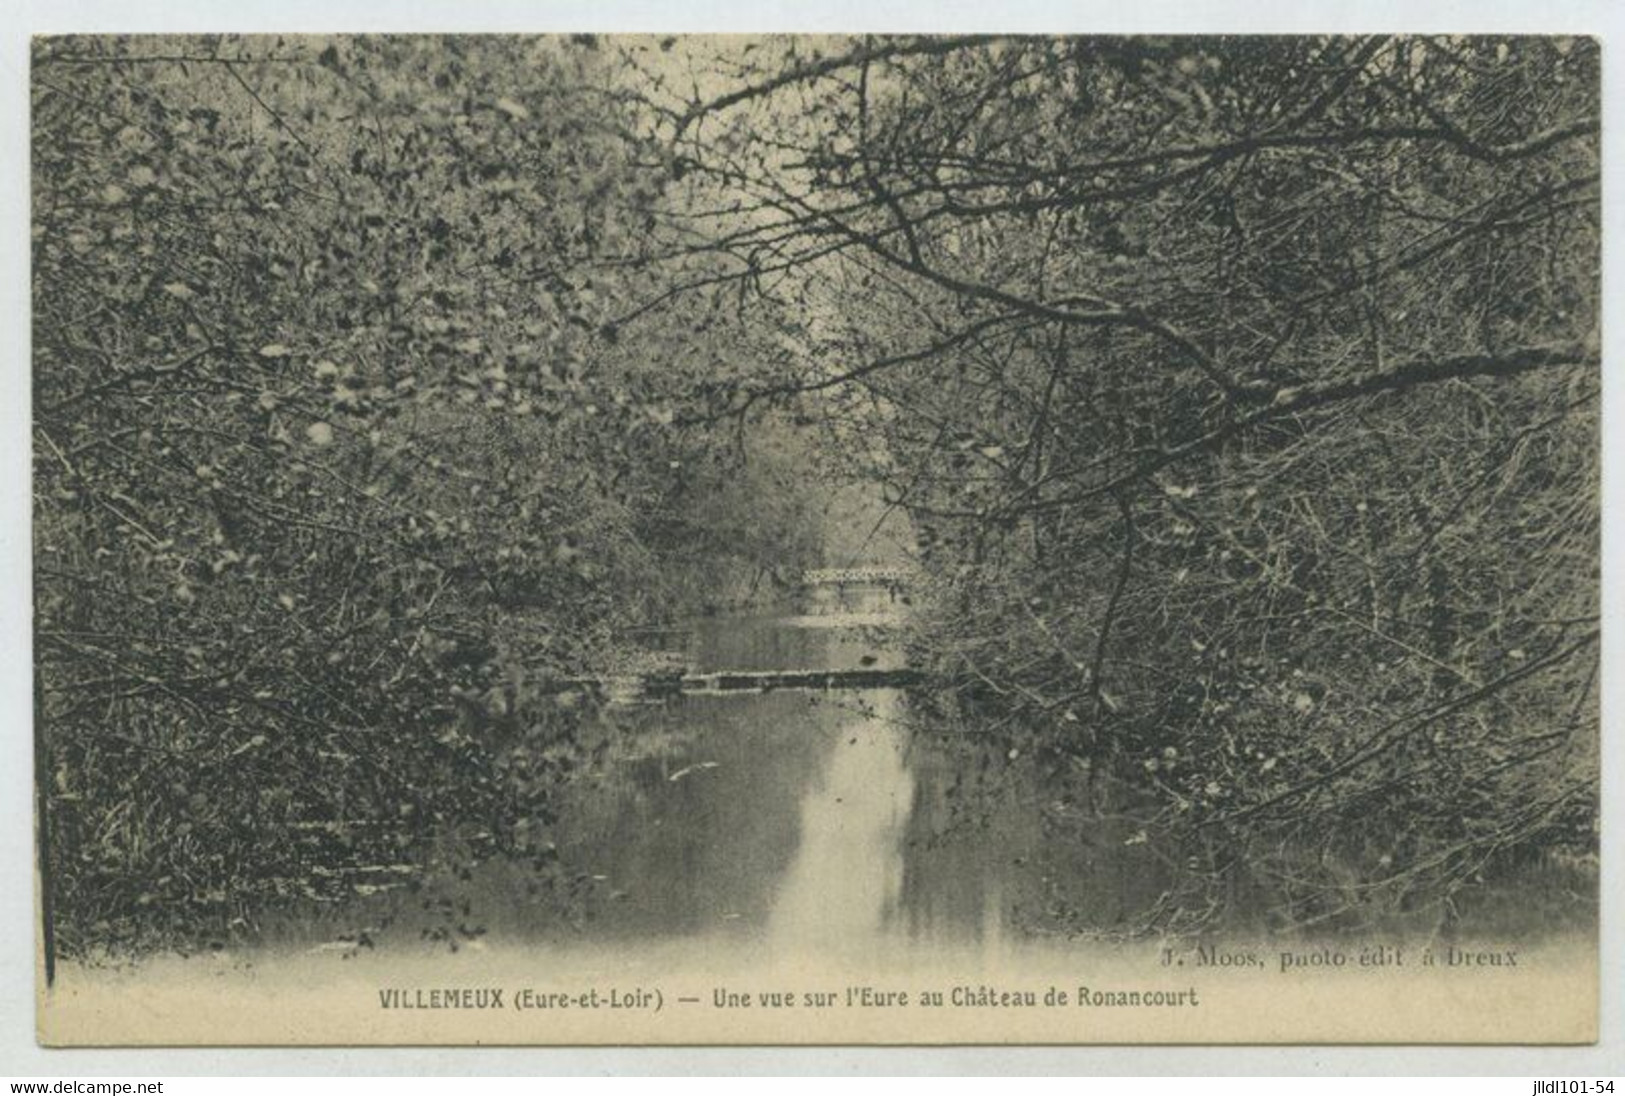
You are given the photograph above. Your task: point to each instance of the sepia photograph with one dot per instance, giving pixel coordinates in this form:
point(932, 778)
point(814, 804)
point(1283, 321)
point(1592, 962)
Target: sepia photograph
point(582, 539)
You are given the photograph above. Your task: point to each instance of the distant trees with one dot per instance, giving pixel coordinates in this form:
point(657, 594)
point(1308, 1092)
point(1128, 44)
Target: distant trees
point(1244, 394)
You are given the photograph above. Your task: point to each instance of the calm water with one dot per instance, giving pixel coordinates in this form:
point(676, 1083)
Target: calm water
point(829, 823)
point(739, 843)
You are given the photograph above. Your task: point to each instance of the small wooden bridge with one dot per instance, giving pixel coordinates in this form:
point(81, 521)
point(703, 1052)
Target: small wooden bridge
point(857, 576)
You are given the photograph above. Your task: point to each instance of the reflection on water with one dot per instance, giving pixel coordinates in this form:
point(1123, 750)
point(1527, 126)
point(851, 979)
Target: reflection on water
point(795, 822)
point(817, 641)
point(844, 886)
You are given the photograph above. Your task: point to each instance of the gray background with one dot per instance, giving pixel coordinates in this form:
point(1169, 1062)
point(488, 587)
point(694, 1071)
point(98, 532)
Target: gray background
point(19, 1056)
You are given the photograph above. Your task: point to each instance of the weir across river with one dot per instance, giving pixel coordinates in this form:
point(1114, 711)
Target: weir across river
point(858, 677)
point(861, 600)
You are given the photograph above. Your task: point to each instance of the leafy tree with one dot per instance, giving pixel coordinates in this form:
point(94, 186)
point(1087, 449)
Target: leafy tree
point(1243, 393)
point(341, 467)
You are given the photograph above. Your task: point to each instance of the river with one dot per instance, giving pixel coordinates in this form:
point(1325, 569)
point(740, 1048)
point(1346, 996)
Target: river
point(832, 823)
point(839, 848)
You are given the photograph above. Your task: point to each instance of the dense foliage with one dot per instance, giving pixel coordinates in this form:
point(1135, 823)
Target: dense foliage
point(340, 462)
point(1244, 395)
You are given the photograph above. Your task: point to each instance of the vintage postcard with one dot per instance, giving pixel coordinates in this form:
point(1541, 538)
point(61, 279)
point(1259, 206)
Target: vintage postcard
point(575, 539)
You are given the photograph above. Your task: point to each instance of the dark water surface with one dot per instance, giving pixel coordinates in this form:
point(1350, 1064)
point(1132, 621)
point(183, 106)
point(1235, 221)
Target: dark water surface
point(800, 821)
point(835, 824)
point(725, 845)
